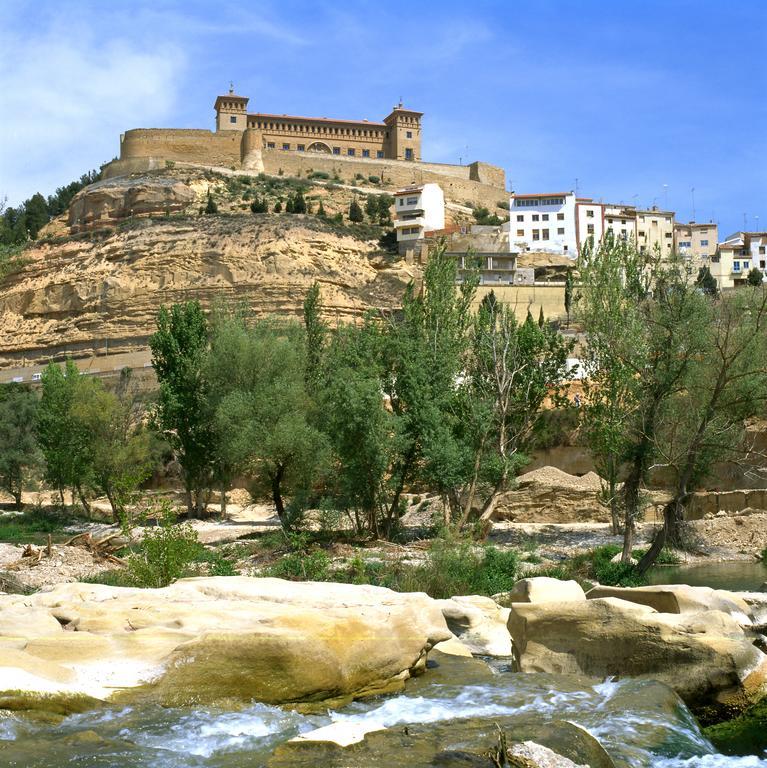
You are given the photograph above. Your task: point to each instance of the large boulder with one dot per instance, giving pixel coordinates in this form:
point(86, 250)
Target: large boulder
point(706, 656)
point(107, 202)
point(206, 639)
point(541, 589)
point(479, 623)
point(680, 598)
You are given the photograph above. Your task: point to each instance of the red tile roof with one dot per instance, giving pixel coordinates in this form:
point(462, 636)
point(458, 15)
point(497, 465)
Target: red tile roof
point(300, 118)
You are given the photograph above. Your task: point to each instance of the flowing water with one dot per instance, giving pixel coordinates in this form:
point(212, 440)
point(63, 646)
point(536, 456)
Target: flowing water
point(456, 704)
point(737, 575)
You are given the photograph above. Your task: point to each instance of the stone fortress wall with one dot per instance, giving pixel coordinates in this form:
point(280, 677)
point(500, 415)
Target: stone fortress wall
point(144, 149)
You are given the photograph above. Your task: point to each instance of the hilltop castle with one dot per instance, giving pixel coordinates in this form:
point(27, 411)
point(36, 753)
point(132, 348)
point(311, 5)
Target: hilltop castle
point(291, 144)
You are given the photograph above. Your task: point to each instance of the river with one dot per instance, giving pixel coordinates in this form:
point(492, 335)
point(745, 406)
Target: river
point(735, 575)
point(639, 723)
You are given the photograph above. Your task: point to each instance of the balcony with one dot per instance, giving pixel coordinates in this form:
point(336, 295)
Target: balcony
point(418, 221)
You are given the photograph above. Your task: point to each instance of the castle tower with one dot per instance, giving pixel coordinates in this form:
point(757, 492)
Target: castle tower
point(231, 112)
point(404, 133)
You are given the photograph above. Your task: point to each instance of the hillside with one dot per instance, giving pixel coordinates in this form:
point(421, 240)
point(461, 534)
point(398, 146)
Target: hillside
point(135, 244)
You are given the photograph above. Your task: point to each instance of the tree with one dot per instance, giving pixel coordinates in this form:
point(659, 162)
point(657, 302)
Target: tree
point(316, 333)
point(755, 277)
point(725, 384)
point(371, 208)
point(179, 352)
point(355, 212)
point(290, 206)
point(568, 293)
point(211, 206)
point(18, 447)
point(36, 213)
point(121, 455)
point(321, 211)
point(541, 318)
point(278, 206)
point(385, 202)
point(64, 442)
point(262, 410)
point(707, 282)
point(259, 205)
point(299, 202)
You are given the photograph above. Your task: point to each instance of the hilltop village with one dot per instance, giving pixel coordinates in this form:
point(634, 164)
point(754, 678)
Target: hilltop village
point(315, 452)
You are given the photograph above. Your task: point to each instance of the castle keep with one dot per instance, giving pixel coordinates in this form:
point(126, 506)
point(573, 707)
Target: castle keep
point(291, 144)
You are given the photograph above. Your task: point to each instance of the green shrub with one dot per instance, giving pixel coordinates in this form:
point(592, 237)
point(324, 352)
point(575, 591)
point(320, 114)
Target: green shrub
point(318, 175)
point(34, 524)
point(302, 566)
point(374, 179)
point(503, 204)
point(210, 206)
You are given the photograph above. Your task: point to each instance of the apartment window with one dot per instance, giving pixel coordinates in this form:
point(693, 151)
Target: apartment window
point(270, 145)
point(300, 147)
point(589, 215)
point(336, 150)
point(233, 119)
point(409, 134)
point(561, 216)
point(560, 230)
point(703, 243)
point(641, 233)
point(762, 249)
point(667, 235)
point(736, 266)
point(520, 233)
point(520, 217)
point(366, 153)
point(609, 221)
point(590, 229)
point(685, 244)
point(408, 154)
point(544, 234)
point(762, 264)
point(545, 217)
point(351, 152)
point(412, 200)
point(623, 221)
point(379, 154)
point(401, 201)
point(286, 146)
point(536, 217)
point(745, 265)
point(536, 234)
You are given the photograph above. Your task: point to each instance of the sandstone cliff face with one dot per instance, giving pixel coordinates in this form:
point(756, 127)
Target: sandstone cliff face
point(74, 295)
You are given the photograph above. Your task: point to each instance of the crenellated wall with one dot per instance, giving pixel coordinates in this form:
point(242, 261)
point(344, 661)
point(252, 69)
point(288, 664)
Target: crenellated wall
point(188, 145)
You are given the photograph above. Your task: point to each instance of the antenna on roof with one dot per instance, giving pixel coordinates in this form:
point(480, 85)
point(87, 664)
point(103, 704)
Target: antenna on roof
point(231, 87)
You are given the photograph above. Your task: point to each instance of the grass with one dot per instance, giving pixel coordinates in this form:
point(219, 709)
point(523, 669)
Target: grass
point(450, 568)
point(34, 524)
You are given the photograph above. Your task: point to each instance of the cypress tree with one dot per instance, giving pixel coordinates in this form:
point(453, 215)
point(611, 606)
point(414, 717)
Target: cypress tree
point(355, 212)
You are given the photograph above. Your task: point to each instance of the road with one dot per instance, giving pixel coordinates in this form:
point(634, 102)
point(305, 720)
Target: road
point(101, 365)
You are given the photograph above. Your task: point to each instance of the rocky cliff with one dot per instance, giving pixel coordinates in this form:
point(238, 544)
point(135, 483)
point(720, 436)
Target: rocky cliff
point(79, 292)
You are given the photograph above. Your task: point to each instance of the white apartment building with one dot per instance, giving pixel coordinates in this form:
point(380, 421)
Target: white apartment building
point(543, 222)
point(758, 250)
point(589, 221)
point(417, 210)
point(621, 220)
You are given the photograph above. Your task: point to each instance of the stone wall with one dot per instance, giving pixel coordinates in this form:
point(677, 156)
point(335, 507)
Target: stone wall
point(190, 145)
point(550, 296)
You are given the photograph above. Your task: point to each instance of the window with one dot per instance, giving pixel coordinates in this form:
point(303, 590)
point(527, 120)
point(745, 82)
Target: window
point(536, 234)
point(560, 230)
point(233, 119)
point(409, 134)
point(736, 266)
point(520, 217)
point(561, 216)
point(401, 202)
point(589, 214)
point(667, 235)
point(270, 145)
point(336, 150)
point(408, 154)
point(544, 234)
point(762, 249)
point(351, 152)
point(623, 221)
point(300, 147)
point(520, 233)
point(685, 244)
point(545, 217)
point(536, 217)
point(590, 229)
point(366, 153)
point(379, 154)
point(286, 146)
point(609, 221)
point(745, 265)
point(762, 264)
point(641, 233)
point(412, 200)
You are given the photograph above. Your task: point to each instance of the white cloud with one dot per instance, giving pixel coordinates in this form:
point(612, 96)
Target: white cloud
point(68, 92)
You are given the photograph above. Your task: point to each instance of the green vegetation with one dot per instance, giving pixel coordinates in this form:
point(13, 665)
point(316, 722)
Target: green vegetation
point(11, 259)
point(355, 212)
point(755, 276)
point(707, 282)
point(744, 735)
point(449, 568)
point(19, 454)
point(483, 216)
point(35, 523)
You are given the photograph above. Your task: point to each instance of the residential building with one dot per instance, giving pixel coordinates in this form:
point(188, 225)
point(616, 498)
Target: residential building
point(589, 221)
point(543, 222)
point(621, 220)
point(655, 231)
point(418, 210)
point(757, 242)
point(732, 262)
point(696, 241)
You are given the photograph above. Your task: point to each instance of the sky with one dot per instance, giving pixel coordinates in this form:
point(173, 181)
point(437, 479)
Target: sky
point(621, 101)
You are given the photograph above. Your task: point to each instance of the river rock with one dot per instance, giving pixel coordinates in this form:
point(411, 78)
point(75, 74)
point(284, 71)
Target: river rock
point(680, 598)
point(706, 656)
point(479, 623)
point(541, 589)
point(204, 639)
point(528, 754)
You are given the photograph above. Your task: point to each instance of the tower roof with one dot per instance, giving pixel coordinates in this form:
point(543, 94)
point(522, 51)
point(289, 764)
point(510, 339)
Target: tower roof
point(232, 97)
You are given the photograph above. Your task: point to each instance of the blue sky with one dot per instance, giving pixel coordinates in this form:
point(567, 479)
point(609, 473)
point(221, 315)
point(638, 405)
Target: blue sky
point(626, 97)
